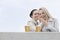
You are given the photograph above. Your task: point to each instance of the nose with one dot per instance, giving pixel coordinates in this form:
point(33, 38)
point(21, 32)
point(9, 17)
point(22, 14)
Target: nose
point(40, 15)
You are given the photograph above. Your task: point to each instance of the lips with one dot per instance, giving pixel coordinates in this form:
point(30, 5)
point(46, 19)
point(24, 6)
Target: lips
point(36, 17)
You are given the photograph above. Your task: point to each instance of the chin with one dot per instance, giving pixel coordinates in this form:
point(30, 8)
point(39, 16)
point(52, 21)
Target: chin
point(36, 19)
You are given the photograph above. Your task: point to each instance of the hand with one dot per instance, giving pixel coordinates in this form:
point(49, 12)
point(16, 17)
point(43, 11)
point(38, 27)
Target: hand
point(43, 21)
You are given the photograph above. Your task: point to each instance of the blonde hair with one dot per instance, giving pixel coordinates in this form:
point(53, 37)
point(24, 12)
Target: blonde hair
point(45, 11)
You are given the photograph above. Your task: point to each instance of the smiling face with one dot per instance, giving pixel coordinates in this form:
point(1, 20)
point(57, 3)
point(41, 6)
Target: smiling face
point(35, 15)
point(42, 14)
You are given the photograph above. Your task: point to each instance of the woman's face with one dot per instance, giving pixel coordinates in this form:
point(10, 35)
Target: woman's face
point(42, 14)
point(35, 15)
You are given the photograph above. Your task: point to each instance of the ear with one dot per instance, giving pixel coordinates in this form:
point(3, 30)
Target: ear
point(31, 16)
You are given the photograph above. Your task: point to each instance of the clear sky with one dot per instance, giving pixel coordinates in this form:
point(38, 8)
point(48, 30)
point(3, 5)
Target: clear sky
point(14, 14)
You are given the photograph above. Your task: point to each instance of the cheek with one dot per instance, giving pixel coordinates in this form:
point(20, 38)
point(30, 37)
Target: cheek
point(40, 16)
point(36, 16)
point(44, 14)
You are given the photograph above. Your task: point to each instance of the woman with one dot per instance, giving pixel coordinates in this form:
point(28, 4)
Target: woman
point(33, 22)
point(48, 23)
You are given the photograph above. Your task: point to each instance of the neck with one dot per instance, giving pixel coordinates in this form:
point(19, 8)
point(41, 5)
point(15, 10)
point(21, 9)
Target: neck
point(34, 19)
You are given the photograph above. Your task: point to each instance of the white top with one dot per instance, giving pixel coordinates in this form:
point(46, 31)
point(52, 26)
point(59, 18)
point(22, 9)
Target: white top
point(51, 27)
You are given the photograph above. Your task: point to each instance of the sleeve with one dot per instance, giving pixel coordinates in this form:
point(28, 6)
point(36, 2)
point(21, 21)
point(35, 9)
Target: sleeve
point(56, 25)
point(32, 26)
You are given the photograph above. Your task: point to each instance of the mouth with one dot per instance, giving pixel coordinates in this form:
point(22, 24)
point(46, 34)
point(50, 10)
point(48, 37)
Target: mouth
point(36, 17)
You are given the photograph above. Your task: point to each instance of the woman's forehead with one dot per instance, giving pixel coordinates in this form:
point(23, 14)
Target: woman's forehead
point(36, 11)
point(40, 11)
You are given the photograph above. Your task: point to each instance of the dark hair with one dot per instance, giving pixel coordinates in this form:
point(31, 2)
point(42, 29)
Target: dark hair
point(32, 12)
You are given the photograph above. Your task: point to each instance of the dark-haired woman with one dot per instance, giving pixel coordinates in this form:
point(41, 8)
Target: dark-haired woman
point(33, 22)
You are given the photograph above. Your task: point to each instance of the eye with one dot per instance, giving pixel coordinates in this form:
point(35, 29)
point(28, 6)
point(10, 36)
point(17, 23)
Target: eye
point(36, 13)
point(43, 13)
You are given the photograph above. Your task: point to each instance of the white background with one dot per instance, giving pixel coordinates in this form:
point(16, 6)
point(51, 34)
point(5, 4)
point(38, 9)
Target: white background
point(14, 14)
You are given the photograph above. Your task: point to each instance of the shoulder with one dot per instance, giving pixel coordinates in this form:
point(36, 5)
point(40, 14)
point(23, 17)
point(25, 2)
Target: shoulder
point(29, 22)
point(53, 19)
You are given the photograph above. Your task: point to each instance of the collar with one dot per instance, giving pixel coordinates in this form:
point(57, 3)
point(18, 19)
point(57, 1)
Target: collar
point(34, 21)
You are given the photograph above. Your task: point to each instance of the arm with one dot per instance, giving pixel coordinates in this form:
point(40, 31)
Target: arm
point(54, 27)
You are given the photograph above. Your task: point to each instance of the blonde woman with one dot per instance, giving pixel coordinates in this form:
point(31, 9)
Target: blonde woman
point(48, 23)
